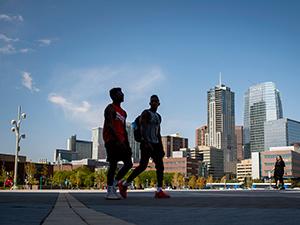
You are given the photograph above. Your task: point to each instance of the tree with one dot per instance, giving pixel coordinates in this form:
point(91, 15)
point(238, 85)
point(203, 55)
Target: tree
point(192, 182)
point(175, 182)
point(45, 171)
point(100, 178)
point(201, 183)
point(181, 181)
point(3, 175)
point(30, 171)
point(137, 182)
point(210, 179)
point(223, 179)
point(89, 180)
point(168, 179)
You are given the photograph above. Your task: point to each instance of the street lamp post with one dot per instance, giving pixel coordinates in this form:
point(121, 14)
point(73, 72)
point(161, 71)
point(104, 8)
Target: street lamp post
point(16, 130)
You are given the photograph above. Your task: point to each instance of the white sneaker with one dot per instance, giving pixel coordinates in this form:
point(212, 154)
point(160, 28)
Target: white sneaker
point(112, 193)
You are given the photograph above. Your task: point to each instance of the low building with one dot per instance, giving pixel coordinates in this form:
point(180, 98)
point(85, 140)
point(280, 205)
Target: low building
point(173, 143)
point(290, 156)
point(244, 169)
point(185, 166)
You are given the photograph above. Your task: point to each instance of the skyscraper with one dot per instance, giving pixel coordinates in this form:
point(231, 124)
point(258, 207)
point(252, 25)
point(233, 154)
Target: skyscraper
point(282, 132)
point(221, 124)
point(262, 103)
point(135, 146)
point(239, 143)
point(99, 151)
point(201, 136)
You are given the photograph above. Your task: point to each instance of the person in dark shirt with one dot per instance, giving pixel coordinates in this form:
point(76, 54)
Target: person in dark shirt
point(279, 172)
point(151, 147)
point(116, 142)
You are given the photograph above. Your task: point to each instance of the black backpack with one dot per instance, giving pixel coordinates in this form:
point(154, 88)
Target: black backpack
point(136, 125)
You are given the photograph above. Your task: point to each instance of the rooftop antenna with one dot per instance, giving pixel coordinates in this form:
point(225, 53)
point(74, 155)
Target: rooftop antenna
point(220, 79)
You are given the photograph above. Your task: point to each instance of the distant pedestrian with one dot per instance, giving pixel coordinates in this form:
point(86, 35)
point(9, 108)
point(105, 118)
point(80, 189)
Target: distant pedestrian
point(116, 142)
point(279, 172)
point(151, 147)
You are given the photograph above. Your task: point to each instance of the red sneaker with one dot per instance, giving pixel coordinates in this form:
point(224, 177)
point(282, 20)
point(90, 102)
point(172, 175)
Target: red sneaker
point(122, 189)
point(161, 194)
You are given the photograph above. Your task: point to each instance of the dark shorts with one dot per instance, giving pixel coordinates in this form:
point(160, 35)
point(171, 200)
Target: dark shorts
point(116, 152)
point(156, 152)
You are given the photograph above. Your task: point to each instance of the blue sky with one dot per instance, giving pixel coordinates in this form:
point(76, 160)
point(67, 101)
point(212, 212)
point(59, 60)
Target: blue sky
point(58, 59)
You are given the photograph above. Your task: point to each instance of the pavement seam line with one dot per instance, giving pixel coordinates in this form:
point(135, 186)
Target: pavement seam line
point(79, 207)
point(68, 197)
point(51, 210)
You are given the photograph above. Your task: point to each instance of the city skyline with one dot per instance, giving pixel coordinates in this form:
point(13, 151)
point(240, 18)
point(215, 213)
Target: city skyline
point(59, 64)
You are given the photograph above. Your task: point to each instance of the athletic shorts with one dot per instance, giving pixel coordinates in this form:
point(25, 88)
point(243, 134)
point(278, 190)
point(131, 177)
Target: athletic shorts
point(117, 152)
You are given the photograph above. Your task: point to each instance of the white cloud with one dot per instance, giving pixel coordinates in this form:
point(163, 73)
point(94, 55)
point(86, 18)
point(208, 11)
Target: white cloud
point(9, 18)
point(28, 82)
point(92, 86)
point(81, 112)
point(4, 38)
point(25, 50)
point(8, 49)
point(45, 42)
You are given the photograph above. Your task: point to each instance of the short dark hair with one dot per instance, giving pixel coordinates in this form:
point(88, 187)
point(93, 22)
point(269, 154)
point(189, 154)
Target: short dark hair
point(154, 96)
point(113, 92)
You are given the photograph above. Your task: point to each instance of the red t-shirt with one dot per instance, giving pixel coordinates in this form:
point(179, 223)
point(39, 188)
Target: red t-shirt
point(118, 122)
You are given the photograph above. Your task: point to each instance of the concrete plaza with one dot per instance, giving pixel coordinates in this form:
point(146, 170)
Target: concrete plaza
point(245, 207)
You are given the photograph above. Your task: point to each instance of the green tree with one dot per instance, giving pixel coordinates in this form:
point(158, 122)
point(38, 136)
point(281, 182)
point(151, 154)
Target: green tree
point(30, 171)
point(153, 182)
point(137, 182)
point(3, 176)
point(168, 179)
point(100, 178)
point(192, 182)
point(89, 180)
point(59, 178)
point(175, 182)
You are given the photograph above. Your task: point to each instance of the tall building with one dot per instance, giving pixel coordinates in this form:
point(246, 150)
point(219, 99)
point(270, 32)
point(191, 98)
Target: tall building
point(239, 136)
point(201, 136)
point(221, 124)
point(82, 148)
point(135, 146)
point(262, 103)
point(282, 132)
point(173, 143)
point(99, 151)
point(213, 160)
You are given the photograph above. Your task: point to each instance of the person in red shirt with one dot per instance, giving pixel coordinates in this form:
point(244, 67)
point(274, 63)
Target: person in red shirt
point(116, 142)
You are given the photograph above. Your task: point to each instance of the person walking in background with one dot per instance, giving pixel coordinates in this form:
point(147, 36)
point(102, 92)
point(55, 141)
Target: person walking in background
point(116, 142)
point(279, 172)
point(151, 147)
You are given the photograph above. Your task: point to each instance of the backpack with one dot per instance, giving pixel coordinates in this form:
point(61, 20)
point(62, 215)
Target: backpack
point(136, 125)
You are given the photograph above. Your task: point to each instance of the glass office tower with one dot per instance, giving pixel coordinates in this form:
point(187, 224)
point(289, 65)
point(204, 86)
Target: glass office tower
point(262, 103)
point(282, 132)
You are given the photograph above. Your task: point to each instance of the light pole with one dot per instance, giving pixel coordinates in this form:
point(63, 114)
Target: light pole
point(16, 130)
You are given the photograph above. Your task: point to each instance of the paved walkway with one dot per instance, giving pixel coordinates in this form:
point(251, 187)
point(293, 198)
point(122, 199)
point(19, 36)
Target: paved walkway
point(68, 210)
point(183, 208)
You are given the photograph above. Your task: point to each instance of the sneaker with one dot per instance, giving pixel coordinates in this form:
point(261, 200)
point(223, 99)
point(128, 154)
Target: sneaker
point(122, 189)
point(161, 194)
point(112, 194)
point(282, 188)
